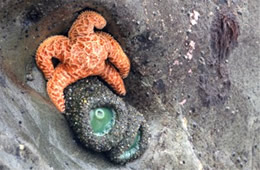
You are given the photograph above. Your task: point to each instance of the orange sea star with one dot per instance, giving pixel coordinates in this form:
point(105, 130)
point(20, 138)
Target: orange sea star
point(83, 53)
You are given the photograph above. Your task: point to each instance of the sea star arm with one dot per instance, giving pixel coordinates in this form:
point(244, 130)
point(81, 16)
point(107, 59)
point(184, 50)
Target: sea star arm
point(55, 46)
point(85, 24)
point(116, 55)
point(56, 85)
point(113, 78)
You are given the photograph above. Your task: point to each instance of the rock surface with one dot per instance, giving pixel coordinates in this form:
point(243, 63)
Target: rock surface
point(169, 44)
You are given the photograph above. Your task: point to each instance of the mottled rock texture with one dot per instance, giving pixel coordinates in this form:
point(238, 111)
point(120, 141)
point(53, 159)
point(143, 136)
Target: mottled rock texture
point(170, 48)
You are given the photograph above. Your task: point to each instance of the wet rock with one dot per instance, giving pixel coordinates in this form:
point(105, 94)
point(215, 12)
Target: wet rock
point(154, 46)
point(34, 14)
point(214, 79)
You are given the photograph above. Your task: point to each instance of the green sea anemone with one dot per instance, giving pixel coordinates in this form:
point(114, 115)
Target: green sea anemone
point(134, 143)
point(97, 116)
point(102, 121)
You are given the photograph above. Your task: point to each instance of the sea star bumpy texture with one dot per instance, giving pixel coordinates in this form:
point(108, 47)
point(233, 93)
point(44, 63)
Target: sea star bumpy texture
point(83, 53)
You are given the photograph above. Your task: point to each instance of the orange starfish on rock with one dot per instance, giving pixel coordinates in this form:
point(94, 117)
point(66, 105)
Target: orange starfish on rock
point(83, 53)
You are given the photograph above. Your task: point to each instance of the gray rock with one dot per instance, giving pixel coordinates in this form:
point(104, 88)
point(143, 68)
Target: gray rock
point(169, 47)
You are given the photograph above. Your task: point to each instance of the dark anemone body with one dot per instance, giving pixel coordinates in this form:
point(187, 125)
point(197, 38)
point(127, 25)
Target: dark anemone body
point(85, 96)
point(135, 140)
point(102, 121)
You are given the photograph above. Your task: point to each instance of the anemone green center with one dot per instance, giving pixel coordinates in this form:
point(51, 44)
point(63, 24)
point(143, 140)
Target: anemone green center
point(133, 148)
point(102, 120)
point(99, 114)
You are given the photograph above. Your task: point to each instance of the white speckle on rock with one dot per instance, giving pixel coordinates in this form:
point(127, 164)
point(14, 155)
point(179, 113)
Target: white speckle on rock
point(194, 16)
point(21, 147)
point(185, 123)
point(183, 102)
point(192, 45)
point(176, 62)
point(190, 51)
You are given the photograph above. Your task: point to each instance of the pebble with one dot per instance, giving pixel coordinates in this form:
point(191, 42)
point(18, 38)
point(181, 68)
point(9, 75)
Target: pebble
point(202, 60)
point(21, 147)
point(29, 77)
